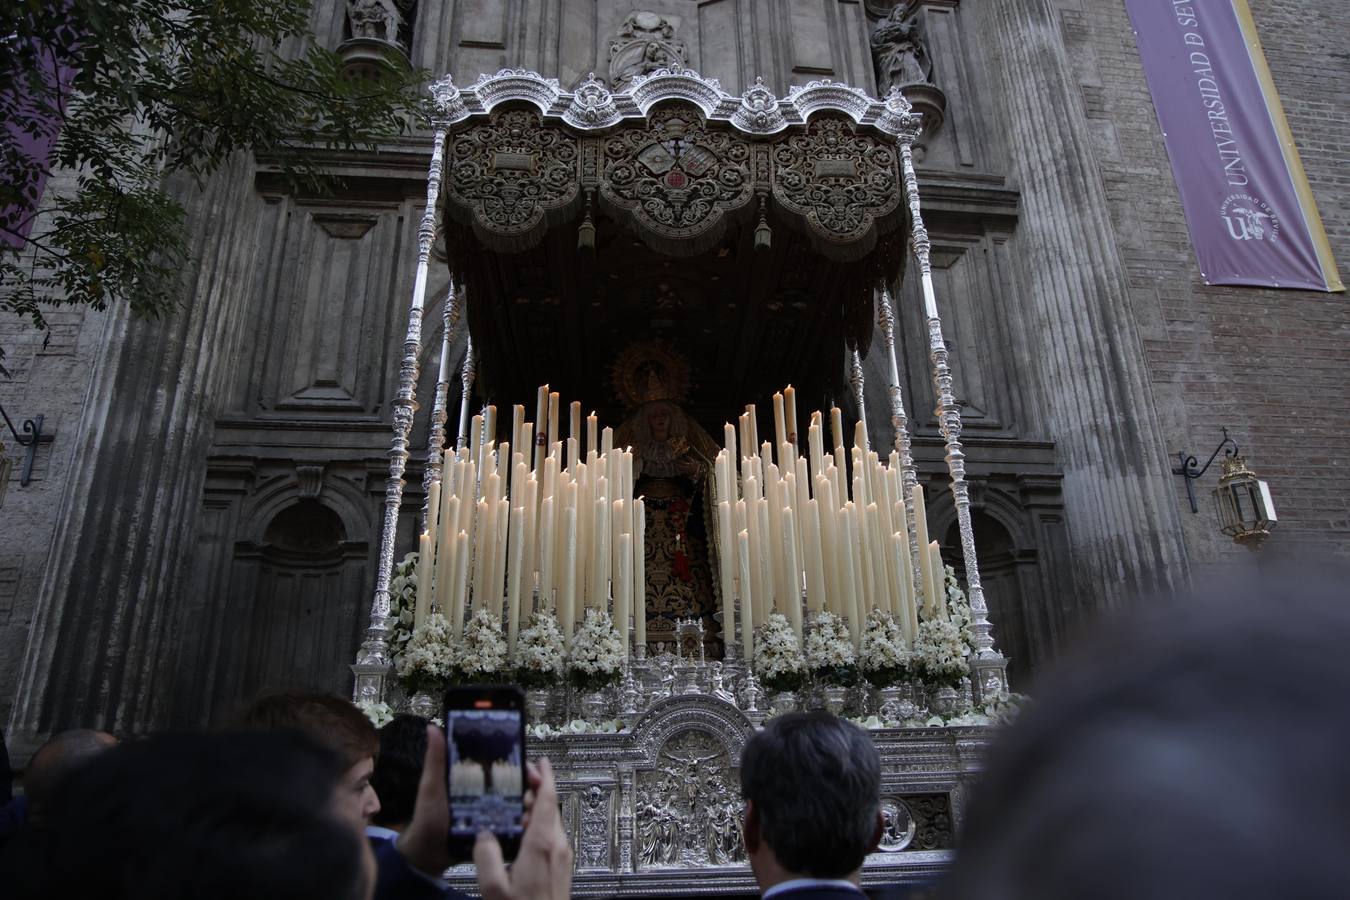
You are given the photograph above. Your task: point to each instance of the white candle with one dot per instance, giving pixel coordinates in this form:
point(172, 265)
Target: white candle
point(541, 426)
point(779, 423)
point(815, 561)
point(926, 581)
point(726, 563)
point(640, 572)
point(567, 603)
point(729, 441)
point(837, 426)
point(790, 411)
point(909, 617)
point(847, 584)
point(747, 601)
point(623, 594)
point(793, 573)
point(476, 439)
point(517, 422)
point(939, 579)
point(515, 572)
point(460, 599)
point(606, 441)
point(546, 525)
point(592, 425)
point(490, 425)
point(554, 436)
point(423, 597)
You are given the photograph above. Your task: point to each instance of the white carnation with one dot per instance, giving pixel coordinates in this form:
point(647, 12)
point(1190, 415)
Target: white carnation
point(539, 647)
point(883, 648)
point(828, 645)
point(427, 656)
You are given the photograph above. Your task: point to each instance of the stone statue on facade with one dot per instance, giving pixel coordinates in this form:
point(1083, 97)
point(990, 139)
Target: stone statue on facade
point(899, 52)
point(644, 43)
point(377, 19)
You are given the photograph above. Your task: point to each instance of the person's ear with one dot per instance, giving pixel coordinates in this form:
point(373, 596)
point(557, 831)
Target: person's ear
point(877, 832)
point(751, 827)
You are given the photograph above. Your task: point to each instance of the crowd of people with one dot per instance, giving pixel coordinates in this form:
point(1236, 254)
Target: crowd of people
point(1196, 750)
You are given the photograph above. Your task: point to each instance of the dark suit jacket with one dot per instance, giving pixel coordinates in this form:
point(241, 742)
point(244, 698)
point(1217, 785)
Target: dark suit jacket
point(398, 880)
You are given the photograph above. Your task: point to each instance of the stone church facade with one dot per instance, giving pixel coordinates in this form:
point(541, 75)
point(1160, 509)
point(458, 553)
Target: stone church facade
point(205, 521)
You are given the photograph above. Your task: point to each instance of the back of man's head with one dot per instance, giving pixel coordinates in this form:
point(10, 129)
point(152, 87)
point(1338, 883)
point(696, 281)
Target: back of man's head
point(815, 784)
point(55, 760)
point(204, 816)
point(403, 746)
point(1190, 749)
point(330, 720)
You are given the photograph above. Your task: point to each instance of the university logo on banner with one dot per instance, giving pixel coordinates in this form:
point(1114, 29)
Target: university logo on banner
point(1251, 213)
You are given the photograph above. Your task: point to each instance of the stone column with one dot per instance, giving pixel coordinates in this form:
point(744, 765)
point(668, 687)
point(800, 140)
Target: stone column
point(100, 651)
point(1123, 518)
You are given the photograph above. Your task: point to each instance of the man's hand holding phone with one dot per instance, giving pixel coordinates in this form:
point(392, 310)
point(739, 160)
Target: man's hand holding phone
point(543, 867)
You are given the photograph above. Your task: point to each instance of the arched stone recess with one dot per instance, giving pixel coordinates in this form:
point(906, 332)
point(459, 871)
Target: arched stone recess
point(277, 588)
point(1024, 561)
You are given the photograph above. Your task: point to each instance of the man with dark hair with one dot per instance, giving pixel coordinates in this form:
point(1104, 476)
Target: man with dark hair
point(204, 816)
point(337, 724)
point(25, 817)
point(1193, 749)
point(403, 745)
point(812, 790)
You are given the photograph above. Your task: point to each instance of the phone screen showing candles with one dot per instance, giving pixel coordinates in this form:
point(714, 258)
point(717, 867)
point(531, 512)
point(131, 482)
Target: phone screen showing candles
point(485, 753)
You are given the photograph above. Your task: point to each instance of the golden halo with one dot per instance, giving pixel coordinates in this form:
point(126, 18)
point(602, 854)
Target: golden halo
point(650, 370)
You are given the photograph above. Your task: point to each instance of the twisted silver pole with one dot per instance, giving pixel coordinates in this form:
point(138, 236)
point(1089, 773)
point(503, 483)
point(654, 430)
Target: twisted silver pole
point(857, 384)
point(949, 419)
point(909, 475)
point(372, 660)
point(467, 374)
point(436, 442)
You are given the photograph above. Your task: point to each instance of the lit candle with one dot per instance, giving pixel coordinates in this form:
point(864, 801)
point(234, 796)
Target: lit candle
point(729, 441)
point(606, 441)
point(814, 443)
point(517, 422)
point(476, 439)
point(779, 422)
point(490, 424)
point(640, 572)
point(747, 601)
point(592, 425)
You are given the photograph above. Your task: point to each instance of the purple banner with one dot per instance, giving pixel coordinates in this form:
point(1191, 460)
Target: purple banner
point(1251, 213)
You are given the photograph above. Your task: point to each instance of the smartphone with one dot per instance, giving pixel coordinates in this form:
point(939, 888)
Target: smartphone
point(485, 753)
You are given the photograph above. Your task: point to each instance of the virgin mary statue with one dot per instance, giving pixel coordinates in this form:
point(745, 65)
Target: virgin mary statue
point(672, 458)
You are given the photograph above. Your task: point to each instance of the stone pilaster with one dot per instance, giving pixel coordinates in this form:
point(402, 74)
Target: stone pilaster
point(1088, 358)
point(100, 650)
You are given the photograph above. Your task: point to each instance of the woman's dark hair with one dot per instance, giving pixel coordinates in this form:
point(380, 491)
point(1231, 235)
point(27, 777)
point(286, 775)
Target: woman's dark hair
point(398, 770)
point(204, 816)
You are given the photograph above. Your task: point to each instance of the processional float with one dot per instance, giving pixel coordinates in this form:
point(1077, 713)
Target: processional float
point(550, 522)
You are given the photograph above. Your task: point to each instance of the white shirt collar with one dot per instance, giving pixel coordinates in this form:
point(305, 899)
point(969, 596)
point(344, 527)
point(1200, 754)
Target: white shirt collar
point(797, 884)
point(379, 832)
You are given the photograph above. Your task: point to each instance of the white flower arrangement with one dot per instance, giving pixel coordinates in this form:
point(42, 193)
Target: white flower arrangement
point(541, 657)
point(940, 652)
point(883, 656)
point(596, 659)
point(428, 659)
point(377, 711)
point(779, 663)
point(958, 607)
point(402, 603)
point(829, 650)
point(481, 654)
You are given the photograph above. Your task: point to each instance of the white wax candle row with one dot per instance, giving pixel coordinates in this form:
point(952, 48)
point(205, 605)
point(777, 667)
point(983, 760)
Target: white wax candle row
point(502, 525)
point(788, 523)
